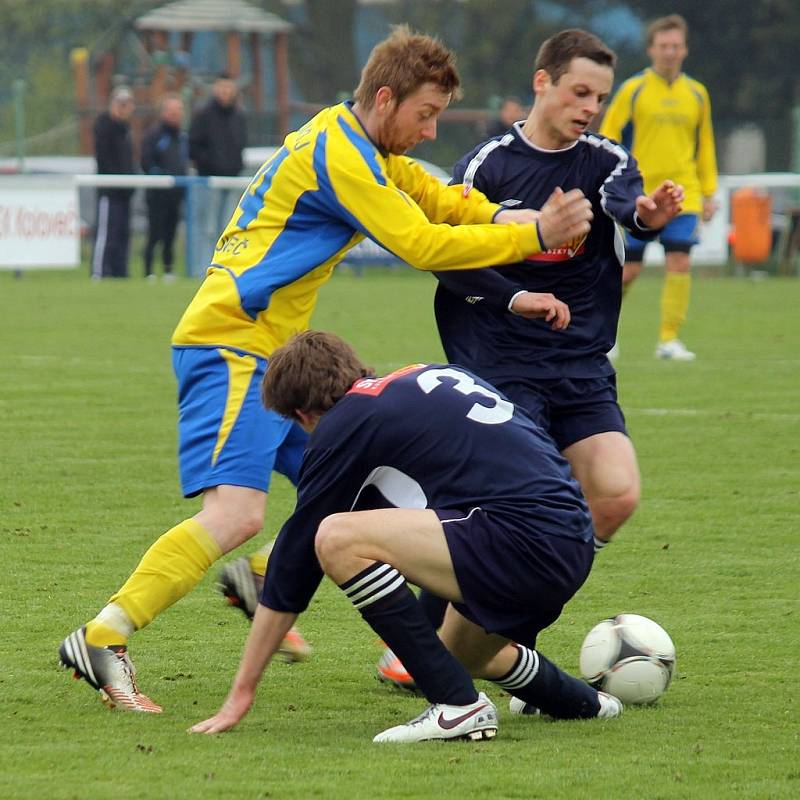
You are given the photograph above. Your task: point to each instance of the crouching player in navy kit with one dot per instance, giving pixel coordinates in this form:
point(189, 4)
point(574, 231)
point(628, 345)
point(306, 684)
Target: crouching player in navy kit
point(562, 378)
point(430, 476)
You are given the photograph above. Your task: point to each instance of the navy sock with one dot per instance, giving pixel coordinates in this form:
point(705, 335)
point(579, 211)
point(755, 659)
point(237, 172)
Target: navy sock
point(434, 608)
point(541, 683)
point(390, 608)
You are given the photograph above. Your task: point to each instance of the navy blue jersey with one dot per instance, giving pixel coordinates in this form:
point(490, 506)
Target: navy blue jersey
point(423, 437)
point(475, 326)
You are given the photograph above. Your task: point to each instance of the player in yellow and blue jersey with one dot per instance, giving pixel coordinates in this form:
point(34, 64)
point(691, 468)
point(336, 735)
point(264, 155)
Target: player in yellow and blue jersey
point(340, 177)
point(664, 118)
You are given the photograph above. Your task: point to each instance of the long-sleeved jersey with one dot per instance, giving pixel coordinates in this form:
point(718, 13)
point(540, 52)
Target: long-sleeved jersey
point(327, 188)
point(667, 126)
point(423, 437)
point(472, 314)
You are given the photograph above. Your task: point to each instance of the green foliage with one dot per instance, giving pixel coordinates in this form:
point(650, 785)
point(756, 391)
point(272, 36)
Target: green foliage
point(88, 481)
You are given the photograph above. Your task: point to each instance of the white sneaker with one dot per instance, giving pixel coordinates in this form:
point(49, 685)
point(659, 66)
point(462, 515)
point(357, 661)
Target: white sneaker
point(168, 277)
point(517, 706)
point(613, 353)
point(610, 706)
point(674, 350)
point(441, 721)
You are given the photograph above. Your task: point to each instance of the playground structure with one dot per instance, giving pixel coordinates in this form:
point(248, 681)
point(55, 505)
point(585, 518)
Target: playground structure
point(164, 39)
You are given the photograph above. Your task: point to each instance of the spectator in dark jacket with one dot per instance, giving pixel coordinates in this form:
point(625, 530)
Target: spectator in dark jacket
point(114, 153)
point(217, 135)
point(216, 140)
point(165, 151)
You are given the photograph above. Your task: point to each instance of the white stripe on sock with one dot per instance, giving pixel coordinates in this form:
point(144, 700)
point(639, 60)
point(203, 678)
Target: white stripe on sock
point(365, 591)
point(367, 578)
point(388, 590)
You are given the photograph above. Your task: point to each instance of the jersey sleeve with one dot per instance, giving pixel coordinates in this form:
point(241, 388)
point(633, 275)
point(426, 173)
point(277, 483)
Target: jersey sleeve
point(371, 202)
point(618, 113)
point(619, 192)
point(329, 480)
point(706, 155)
point(486, 286)
point(441, 203)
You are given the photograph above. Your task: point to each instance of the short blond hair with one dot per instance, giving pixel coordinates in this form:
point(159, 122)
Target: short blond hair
point(404, 61)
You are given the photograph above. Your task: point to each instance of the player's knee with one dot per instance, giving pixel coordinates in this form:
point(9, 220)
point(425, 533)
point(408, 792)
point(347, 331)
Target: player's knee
point(332, 539)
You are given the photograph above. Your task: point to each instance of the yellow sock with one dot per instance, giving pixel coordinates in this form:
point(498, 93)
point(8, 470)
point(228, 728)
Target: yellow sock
point(171, 568)
point(258, 560)
point(674, 304)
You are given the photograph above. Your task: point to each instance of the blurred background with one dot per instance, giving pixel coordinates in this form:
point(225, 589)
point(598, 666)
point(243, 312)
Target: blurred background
point(62, 59)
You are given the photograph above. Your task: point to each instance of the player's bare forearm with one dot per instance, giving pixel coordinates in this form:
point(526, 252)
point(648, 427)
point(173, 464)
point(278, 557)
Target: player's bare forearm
point(266, 633)
point(519, 215)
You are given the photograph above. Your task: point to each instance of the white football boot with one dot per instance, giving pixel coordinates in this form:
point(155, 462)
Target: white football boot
point(107, 669)
point(610, 706)
point(476, 721)
point(674, 350)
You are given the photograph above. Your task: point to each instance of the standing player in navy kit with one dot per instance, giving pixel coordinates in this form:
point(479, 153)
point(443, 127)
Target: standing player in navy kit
point(508, 540)
point(561, 377)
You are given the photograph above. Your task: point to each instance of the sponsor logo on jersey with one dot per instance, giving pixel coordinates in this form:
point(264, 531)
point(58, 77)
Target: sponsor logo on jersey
point(374, 386)
point(564, 253)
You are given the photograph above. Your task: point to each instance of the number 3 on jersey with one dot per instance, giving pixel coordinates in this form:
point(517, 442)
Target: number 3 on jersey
point(500, 412)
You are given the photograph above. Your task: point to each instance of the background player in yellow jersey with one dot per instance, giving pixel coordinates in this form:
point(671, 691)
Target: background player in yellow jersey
point(664, 117)
point(340, 177)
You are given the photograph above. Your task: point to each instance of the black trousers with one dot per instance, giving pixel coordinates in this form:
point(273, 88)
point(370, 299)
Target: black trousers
point(110, 259)
point(163, 212)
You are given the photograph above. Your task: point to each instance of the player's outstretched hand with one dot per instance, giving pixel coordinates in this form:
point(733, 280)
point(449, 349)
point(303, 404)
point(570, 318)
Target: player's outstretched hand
point(564, 217)
point(233, 709)
point(657, 209)
point(542, 305)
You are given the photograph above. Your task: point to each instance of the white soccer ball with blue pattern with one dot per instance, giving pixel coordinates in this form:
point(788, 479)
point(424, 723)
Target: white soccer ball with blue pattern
point(629, 656)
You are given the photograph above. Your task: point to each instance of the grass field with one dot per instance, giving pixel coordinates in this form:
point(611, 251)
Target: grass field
point(88, 480)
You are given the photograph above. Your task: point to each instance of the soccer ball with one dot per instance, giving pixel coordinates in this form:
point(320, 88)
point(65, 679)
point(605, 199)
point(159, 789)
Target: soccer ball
point(629, 656)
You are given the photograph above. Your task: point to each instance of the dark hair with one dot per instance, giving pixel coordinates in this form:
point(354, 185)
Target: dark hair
point(668, 23)
point(405, 61)
point(223, 75)
point(310, 373)
point(556, 53)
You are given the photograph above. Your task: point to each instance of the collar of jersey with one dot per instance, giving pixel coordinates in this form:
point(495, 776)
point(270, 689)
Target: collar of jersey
point(517, 126)
point(348, 105)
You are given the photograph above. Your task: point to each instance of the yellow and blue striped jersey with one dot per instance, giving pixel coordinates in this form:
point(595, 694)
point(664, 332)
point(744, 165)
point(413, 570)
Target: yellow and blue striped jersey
point(667, 127)
point(327, 188)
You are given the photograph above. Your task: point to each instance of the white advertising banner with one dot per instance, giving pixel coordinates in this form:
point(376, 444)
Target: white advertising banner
point(39, 222)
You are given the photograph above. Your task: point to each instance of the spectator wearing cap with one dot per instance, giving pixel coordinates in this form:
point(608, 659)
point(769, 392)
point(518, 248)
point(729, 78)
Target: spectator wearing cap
point(113, 150)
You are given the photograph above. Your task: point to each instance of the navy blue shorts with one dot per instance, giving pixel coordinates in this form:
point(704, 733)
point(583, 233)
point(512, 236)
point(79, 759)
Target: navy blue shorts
point(514, 579)
point(569, 409)
point(677, 236)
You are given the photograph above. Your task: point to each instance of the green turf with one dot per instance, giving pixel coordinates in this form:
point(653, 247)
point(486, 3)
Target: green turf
point(88, 480)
